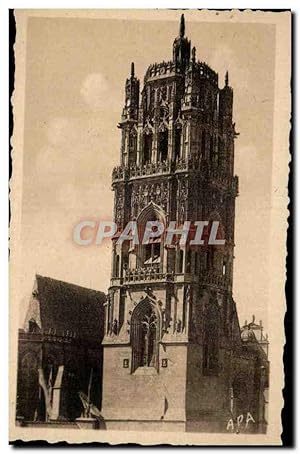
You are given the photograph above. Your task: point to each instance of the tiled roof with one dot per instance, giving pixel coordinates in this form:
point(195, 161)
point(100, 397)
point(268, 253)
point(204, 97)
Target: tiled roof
point(61, 307)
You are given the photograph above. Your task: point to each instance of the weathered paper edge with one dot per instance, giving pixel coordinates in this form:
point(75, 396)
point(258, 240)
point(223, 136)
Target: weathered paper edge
point(279, 214)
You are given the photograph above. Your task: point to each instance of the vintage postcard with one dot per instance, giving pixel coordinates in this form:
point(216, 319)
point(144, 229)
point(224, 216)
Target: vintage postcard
point(148, 233)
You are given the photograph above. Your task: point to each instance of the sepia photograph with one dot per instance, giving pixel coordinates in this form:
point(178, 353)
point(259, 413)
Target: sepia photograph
point(150, 164)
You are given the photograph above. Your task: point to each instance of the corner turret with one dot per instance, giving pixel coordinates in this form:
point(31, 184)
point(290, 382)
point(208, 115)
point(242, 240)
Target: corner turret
point(226, 102)
point(181, 47)
point(132, 90)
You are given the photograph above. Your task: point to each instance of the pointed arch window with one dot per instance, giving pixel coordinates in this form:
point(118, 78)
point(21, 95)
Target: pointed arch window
point(150, 255)
point(144, 335)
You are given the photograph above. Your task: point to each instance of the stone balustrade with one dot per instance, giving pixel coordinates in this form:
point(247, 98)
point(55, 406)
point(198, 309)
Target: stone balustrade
point(182, 164)
point(118, 173)
point(150, 168)
point(213, 280)
point(49, 335)
point(161, 69)
point(215, 176)
point(167, 68)
point(144, 275)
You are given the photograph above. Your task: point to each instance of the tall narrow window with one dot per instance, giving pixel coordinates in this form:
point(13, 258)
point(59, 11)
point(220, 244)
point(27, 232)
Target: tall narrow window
point(188, 265)
point(186, 140)
point(177, 143)
point(125, 260)
point(180, 261)
point(147, 254)
point(163, 145)
point(152, 254)
point(147, 148)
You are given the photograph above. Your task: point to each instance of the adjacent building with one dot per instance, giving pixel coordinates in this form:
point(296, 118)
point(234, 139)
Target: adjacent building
point(60, 352)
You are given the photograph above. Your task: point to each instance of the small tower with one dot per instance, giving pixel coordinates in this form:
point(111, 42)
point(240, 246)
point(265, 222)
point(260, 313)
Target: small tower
point(181, 47)
point(226, 128)
point(129, 119)
point(132, 92)
point(226, 103)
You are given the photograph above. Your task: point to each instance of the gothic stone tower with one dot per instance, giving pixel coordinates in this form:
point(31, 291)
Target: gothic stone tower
point(170, 317)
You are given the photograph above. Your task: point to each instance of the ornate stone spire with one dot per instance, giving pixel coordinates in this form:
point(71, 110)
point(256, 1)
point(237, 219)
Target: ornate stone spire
point(182, 26)
point(181, 47)
point(226, 79)
point(132, 88)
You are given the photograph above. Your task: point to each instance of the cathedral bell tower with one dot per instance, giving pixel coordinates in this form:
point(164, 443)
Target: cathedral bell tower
point(170, 317)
